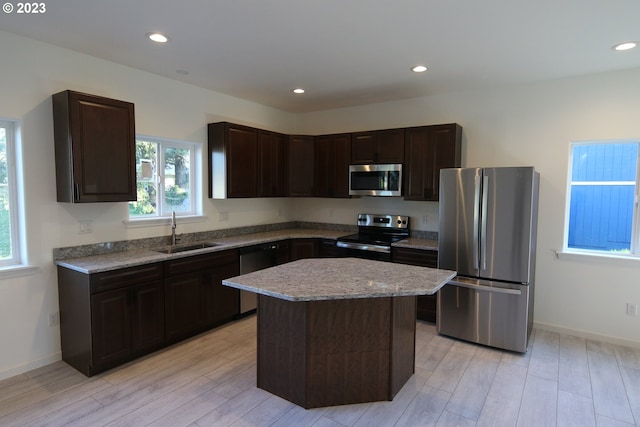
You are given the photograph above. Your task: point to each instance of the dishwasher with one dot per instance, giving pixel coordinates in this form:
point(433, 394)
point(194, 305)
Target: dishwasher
point(255, 258)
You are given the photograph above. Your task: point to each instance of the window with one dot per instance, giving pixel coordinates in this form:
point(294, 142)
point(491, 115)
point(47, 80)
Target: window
point(166, 175)
point(602, 205)
point(9, 225)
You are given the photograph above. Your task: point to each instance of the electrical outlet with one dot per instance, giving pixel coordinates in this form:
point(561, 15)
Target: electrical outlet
point(54, 319)
point(223, 216)
point(425, 219)
point(632, 309)
point(85, 227)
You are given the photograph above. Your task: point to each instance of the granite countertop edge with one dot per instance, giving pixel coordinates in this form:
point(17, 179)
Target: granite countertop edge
point(318, 279)
point(136, 257)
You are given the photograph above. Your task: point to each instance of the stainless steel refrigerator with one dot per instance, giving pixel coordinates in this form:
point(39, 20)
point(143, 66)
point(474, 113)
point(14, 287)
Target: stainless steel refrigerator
point(487, 233)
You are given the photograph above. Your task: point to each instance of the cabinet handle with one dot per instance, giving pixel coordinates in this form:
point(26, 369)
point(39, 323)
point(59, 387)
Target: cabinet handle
point(76, 192)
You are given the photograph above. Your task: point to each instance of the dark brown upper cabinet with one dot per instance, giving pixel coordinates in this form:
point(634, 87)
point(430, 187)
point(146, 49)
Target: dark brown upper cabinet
point(94, 148)
point(233, 161)
point(272, 164)
point(378, 146)
point(429, 149)
point(301, 165)
point(332, 159)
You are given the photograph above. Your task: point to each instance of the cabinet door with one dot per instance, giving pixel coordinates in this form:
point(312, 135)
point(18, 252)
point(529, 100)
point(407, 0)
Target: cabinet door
point(95, 148)
point(242, 161)
point(304, 248)
point(147, 316)
point(111, 327)
point(184, 305)
point(429, 149)
point(223, 302)
point(332, 158)
point(391, 146)
point(380, 146)
point(427, 304)
point(284, 251)
point(301, 166)
point(272, 164)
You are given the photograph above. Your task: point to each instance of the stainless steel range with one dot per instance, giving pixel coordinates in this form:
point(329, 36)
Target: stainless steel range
point(375, 235)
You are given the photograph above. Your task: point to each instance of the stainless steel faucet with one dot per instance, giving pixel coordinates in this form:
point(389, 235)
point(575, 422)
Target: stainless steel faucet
point(173, 228)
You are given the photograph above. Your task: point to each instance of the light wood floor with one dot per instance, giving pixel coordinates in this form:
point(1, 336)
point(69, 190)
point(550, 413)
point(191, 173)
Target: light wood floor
point(210, 380)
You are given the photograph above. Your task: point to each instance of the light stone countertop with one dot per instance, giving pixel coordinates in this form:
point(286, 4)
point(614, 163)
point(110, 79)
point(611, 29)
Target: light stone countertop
point(317, 279)
point(131, 258)
point(117, 260)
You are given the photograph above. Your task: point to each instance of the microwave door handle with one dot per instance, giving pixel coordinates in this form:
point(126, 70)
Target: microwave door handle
point(385, 181)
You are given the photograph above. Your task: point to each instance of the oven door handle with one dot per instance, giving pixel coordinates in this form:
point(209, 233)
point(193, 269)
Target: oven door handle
point(364, 247)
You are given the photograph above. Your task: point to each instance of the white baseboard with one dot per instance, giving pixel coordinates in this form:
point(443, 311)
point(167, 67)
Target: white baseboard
point(30, 366)
point(586, 335)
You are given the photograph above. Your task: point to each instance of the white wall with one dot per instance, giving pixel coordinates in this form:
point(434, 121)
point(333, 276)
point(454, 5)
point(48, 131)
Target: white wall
point(31, 72)
point(529, 125)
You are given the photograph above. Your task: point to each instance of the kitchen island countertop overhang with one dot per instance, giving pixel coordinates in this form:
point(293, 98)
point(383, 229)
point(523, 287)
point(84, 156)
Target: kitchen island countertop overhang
point(316, 279)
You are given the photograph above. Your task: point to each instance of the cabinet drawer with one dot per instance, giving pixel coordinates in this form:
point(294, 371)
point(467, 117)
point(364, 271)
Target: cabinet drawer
point(125, 277)
point(424, 258)
point(200, 262)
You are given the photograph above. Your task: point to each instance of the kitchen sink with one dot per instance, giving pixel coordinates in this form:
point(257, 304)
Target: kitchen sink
point(185, 248)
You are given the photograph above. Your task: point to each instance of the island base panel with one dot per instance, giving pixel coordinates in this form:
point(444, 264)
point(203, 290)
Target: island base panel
point(335, 352)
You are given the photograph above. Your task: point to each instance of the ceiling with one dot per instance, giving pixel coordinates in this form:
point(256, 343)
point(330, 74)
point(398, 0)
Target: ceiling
point(344, 52)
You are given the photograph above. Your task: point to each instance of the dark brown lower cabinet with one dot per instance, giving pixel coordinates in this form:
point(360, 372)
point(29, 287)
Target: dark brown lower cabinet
point(195, 299)
point(427, 306)
point(303, 248)
point(109, 318)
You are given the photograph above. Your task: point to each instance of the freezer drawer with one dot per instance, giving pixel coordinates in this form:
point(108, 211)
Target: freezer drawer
point(490, 313)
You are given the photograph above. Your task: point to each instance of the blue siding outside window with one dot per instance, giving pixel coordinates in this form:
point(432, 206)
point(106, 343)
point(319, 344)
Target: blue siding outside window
point(603, 187)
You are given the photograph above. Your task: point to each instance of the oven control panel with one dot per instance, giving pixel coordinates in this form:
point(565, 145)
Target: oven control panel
point(386, 221)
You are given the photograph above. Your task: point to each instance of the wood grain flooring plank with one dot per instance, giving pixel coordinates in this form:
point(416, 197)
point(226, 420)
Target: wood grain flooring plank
point(52, 404)
point(65, 415)
point(449, 419)
point(609, 394)
point(451, 368)
point(474, 385)
point(539, 403)
point(425, 409)
point(148, 414)
point(573, 366)
point(192, 410)
point(229, 413)
point(575, 410)
point(545, 353)
point(266, 413)
point(503, 401)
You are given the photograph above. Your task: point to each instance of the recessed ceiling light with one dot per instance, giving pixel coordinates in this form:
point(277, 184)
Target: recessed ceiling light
point(298, 90)
point(158, 38)
point(419, 69)
point(625, 46)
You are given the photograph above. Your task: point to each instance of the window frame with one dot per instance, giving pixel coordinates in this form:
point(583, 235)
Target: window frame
point(634, 250)
point(163, 214)
point(16, 264)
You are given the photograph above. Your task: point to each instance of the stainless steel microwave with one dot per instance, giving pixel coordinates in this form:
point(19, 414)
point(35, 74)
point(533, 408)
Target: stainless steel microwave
point(375, 180)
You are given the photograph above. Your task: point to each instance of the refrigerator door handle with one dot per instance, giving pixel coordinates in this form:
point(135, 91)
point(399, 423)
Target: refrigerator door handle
point(476, 221)
point(485, 288)
point(483, 231)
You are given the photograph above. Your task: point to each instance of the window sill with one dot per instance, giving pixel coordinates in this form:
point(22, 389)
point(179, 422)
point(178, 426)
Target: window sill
point(573, 255)
point(152, 222)
point(17, 270)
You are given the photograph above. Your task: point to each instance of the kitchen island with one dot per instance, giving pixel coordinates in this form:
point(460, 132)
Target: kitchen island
point(334, 331)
